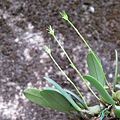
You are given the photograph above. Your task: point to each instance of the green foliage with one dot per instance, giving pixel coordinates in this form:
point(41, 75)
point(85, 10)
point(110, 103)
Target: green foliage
point(49, 98)
point(95, 67)
point(56, 100)
point(116, 71)
point(67, 96)
point(101, 90)
point(116, 96)
point(117, 111)
point(66, 101)
point(74, 96)
point(95, 109)
point(34, 95)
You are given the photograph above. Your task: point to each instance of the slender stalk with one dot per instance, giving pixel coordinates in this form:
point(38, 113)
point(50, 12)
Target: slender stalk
point(65, 17)
point(85, 83)
point(88, 48)
point(68, 79)
point(82, 38)
point(80, 35)
point(116, 70)
point(51, 31)
point(72, 64)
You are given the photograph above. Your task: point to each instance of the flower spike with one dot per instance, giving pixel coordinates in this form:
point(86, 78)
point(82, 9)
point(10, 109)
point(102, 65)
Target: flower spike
point(47, 49)
point(64, 15)
point(50, 30)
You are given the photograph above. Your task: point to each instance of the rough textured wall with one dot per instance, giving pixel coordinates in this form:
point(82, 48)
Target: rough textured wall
point(23, 61)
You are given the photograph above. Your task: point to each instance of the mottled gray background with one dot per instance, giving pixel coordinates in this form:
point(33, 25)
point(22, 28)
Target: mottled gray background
point(24, 63)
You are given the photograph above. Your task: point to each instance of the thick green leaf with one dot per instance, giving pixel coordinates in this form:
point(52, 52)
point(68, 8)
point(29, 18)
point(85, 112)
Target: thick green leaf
point(65, 94)
point(56, 100)
point(95, 109)
point(95, 67)
point(117, 111)
point(81, 104)
point(77, 98)
point(100, 89)
point(116, 70)
point(50, 88)
point(49, 98)
point(34, 95)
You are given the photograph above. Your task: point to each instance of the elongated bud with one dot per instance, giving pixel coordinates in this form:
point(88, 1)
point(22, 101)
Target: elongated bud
point(64, 15)
point(47, 49)
point(50, 30)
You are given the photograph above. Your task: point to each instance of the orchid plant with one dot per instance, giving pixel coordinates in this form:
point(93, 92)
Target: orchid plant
point(66, 101)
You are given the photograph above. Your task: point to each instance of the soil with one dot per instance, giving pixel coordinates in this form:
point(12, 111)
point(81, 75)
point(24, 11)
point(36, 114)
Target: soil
point(24, 62)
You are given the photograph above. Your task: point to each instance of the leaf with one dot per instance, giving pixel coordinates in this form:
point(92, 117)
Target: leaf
point(95, 67)
point(49, 98)
point(34, 95)
point(67, 96)
point(101, 90)
point(117, 111)
point(116, 70)
point(94, 109)
point(50, 88)
point(56, 100)
point(118, 79)
point(81, 104)
point(104, 101)
point(75, 96)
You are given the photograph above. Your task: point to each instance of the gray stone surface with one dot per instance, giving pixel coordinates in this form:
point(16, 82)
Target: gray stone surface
point(24, 63)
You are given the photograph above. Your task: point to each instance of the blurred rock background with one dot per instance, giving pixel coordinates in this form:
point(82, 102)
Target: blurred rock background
point(24, 63)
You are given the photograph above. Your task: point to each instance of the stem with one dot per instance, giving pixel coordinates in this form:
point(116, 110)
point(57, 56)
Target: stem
point(88, 48)
point(51, 31)
point(80, 35)
point(75, 67)
point(86, 83)
point(68, 79)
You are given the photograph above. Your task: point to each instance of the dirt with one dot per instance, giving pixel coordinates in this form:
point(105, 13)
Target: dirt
point(24, 62)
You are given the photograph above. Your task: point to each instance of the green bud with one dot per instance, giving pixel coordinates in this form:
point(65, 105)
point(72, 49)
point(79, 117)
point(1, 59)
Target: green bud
point(47, 49)
point(64, 15)
point(50, 30)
